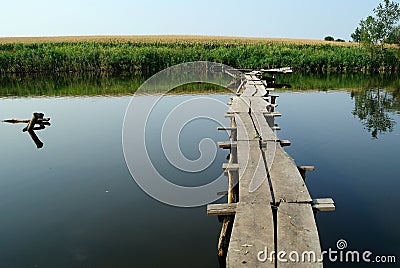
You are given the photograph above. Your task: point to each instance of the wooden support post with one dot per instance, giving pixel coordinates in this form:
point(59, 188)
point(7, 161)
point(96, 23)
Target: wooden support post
point(271, 107)
point(224, 238)
point(304, 169)
point(273, 98)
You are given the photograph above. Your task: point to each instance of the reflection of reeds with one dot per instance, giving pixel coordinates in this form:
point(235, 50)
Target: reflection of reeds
point(100, 84)
point(154, 53)
point(353, 81)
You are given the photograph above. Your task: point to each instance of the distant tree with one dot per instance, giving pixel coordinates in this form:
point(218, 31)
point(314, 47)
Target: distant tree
point(329, 38)
point(381, 27)
point(340, 40)
point(394, 36)
point(356, 36)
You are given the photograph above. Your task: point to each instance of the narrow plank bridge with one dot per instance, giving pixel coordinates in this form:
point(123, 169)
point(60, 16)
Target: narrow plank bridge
point(269, 218)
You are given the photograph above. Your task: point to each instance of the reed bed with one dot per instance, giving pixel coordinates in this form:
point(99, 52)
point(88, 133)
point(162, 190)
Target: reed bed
point(149, 54)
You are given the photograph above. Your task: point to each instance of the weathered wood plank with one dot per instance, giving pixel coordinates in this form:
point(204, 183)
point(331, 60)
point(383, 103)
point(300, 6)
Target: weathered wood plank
point(227, 144)
point(227, 128)
point(258, 105)
point(263, 127)
point(287, 183)
point(249, 90)
point(285, 143)
point(255, 82)
point(303, 170)
point(266, 175)
point(261, 90)
point(221, 209)
point(323, 204)
point(230, 166)
point(239, 105)
point(273, 114)
point(253, 230)
point(283, 70)
point(245, 128)
point(253, 180)
point(297, 232)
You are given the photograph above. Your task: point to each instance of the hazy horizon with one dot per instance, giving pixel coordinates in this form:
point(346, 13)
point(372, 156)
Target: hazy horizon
point(312, 19)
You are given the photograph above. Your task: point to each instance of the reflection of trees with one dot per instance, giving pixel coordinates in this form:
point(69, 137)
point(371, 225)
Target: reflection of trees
point(374, 108)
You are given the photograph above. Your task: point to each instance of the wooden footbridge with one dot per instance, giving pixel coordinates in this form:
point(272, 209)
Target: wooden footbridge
point(269, 208)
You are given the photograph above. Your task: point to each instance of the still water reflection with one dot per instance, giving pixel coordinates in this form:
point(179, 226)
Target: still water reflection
point(73, 202)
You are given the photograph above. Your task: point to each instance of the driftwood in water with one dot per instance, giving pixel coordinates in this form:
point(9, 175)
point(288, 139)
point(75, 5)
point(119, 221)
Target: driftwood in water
point(35, 138)
point(44, 121)
point(37, 119)
point(33, 121)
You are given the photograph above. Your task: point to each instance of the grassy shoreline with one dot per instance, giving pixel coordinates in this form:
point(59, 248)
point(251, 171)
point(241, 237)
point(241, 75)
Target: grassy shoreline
point(149, 54)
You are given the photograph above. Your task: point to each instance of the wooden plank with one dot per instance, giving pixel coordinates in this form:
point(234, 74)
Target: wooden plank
point(287, 183)
point(323, 204)
point(297, 231)
point(285, 143)
point(227, 144)
point(253, 230)
point(227, 128)
point(273, 114)
point(263, 128)
point(239, 105)
point(247, 77)
point(253, 180)
point(249, 90)
point(230, 166)
point(255, 82)
point(261, 90)
point(303, 170)
point(245, 128)
point(306, 168)
point(221, 209)
point(258, 105)
point(283, 70)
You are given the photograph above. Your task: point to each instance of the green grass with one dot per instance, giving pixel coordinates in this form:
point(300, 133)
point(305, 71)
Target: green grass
point(148, 56)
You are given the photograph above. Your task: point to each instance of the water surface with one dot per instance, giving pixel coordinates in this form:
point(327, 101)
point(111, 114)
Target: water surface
point(73, 203)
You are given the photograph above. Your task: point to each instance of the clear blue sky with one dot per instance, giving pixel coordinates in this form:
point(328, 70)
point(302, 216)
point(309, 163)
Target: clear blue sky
point(308, 19)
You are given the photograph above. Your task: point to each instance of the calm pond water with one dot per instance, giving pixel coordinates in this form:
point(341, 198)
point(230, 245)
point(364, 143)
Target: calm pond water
point(73, 203)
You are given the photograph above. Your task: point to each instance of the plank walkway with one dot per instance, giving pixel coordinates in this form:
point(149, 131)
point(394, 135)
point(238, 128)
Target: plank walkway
point(272, 208)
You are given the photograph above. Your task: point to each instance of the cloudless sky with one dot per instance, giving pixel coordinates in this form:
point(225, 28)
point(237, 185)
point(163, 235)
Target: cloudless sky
point(306, 19)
